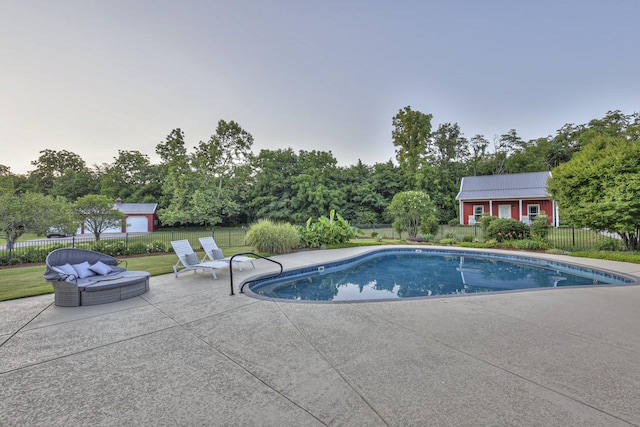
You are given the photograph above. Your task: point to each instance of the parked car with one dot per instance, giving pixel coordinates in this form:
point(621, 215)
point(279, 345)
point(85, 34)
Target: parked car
point(58, 232)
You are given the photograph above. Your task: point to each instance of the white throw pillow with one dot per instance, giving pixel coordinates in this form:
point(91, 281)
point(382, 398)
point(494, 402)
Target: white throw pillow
point(101, 268)
point(83, 269)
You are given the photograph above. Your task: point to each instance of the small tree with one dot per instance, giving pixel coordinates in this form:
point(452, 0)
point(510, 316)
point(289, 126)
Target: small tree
point(98, 213)
point(411, 209)
point(30, 212)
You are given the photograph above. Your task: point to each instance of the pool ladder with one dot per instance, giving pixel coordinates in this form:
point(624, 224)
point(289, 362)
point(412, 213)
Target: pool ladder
point(254, 280)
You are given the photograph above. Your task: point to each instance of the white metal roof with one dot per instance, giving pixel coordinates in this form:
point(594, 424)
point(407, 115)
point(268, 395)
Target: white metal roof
point(532, 185)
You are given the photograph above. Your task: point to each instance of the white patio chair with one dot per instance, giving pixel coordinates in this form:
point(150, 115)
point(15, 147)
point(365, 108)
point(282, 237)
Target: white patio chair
point(189, 261)
point(214, 253)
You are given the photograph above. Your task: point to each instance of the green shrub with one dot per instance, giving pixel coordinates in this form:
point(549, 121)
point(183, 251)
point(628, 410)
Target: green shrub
point(492, 243)
point(429, 225)
point(114, 248)
point(427, 237)
point(486, 220)
point(504, 229)
point(329, 230)
point(156, 246)
point(467, 239)
point(448, 241)
point(608, 244)
point(529, 244)
point(137, 248)
point(454, 222)
point(540, 226)
point(273, 238)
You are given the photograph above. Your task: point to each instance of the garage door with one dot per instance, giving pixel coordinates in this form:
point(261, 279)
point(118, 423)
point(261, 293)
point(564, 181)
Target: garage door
point(137, 224)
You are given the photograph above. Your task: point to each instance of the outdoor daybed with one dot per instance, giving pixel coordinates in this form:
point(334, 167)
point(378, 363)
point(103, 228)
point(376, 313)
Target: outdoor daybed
point(83, 277)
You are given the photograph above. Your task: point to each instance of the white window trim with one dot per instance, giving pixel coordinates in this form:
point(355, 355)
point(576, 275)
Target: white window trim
point(475, 215)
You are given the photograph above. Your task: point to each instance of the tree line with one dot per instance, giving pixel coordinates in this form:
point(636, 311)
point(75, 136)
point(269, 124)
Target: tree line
point(221, 181)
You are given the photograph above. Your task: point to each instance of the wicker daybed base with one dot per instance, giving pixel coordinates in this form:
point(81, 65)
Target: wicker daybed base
point(118, 285)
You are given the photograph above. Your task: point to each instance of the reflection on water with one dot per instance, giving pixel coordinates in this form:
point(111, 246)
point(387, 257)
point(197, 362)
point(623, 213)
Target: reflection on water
point(405, 275)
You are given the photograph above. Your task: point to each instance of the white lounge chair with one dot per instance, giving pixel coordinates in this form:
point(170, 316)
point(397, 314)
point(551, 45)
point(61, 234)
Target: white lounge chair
point(189, 261)
point(214, 253)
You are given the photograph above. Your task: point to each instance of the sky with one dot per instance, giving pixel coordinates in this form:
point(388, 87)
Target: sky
point(97, 76)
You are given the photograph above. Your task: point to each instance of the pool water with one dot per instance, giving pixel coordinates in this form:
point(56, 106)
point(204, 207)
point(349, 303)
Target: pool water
point(412, 274)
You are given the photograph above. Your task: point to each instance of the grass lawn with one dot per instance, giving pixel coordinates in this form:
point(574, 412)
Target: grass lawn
point(20, 282)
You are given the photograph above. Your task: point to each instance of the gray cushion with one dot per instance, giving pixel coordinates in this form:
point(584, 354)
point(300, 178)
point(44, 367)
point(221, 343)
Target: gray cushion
point(84, 270)
point(101, 268)
point(192, 258)
point(217, 254)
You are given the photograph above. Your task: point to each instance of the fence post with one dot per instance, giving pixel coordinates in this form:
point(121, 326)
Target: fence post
point(573, 236)
point(126, 241)
point(73, 241)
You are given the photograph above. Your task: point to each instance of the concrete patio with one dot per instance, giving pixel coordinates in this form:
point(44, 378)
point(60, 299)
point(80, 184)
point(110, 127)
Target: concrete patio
point(188, 353)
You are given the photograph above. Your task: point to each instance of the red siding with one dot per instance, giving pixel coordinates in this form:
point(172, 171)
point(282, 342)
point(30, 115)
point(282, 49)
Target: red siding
point(546, 207)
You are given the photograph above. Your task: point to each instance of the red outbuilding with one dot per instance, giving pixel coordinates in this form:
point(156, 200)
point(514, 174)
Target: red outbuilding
point(521, 196)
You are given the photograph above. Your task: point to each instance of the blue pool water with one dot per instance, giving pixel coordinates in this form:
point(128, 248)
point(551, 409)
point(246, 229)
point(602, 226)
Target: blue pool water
point(416, 273)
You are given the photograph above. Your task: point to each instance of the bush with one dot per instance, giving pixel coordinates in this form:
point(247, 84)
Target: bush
point(273, 238)
point(448, 241)
point(427, 237)
point(454, 222)
point(529, 244)
point(156, 246)
point(608, 244)
point(329, 230)
point(115, 248)
point(540, 226)
point(467, 239)
point(137, 248)
point(486, 220)
point(503, 229)
point(429, 225)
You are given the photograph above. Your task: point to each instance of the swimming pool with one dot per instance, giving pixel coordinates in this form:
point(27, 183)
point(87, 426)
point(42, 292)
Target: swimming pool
point(410, 273)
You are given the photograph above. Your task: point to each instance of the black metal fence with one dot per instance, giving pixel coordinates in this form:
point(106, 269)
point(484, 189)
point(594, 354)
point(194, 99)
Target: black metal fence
point(118, 244)
point(565, 238)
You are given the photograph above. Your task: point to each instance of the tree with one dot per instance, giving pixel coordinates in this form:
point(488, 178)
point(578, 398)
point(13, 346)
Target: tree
point(98, 213)
point(178, 180)
point(75, 184)
point(273, 181)
point(217, 164)
point(448, 151)
point(131, 177)
point(411, 133)
point(411, 209)
point(316, 188)
point(51, 165)
point(30, 212)
point(598, 188)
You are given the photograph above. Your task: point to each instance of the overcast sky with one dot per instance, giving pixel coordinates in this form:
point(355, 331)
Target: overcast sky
point(97, 76)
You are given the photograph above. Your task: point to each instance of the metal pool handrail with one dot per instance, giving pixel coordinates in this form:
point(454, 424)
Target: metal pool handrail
point(249, 281)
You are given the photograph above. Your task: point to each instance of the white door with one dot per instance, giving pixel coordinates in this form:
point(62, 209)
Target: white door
point(504, 211)
point(137, 224)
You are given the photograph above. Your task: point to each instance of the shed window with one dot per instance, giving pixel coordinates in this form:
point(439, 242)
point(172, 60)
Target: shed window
point(478, 211)
point(534, 211)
